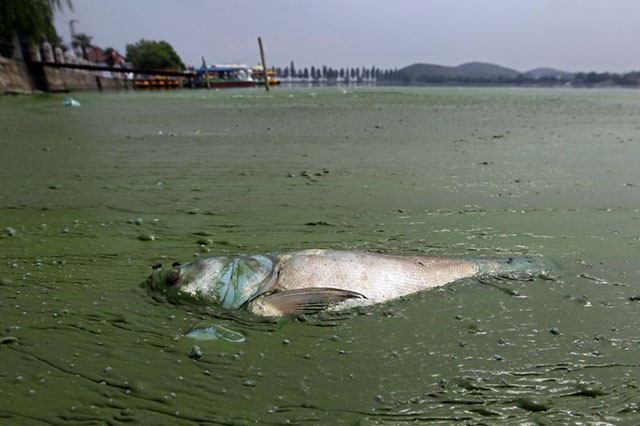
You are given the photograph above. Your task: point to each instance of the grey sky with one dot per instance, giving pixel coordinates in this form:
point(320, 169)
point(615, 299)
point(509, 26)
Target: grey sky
point(573, 35)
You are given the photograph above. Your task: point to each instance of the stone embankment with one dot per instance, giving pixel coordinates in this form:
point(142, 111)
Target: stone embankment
point(19, 76)
point(14, 76)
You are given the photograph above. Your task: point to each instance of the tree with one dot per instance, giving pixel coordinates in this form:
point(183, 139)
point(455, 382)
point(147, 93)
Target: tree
point(292, 69)
point(29, 20)
point(83, 42)
point(153, 55)
point(112, 56)
point(110, 52)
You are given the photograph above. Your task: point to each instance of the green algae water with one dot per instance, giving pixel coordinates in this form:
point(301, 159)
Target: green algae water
point(91, 197)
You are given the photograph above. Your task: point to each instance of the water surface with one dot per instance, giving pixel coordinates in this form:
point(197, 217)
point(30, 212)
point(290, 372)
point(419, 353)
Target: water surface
point(95, 195)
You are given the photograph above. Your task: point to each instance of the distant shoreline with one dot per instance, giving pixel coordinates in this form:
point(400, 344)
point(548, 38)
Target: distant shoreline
point(386, 83)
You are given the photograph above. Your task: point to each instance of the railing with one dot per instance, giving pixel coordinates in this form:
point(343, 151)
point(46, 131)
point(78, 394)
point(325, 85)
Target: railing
point(119, 69)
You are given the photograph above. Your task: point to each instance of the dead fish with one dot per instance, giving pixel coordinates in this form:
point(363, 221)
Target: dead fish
point(309, 281)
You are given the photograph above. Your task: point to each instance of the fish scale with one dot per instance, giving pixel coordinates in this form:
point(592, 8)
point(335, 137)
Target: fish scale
point(378, 277)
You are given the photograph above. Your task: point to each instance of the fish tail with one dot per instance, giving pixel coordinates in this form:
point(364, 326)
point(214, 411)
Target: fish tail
point(514, 267)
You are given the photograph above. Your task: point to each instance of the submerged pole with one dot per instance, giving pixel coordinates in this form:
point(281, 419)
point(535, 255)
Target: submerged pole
point(264, 65)
point(206, 72)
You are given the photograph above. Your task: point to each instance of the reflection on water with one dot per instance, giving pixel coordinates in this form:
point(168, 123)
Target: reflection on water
point(443, 172)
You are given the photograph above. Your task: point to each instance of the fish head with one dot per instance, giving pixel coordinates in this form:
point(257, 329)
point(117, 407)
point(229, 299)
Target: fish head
point(227, 281)
point(193, 281)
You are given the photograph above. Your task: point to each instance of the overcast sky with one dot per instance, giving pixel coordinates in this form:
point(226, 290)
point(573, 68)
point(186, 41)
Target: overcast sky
point(572, 35)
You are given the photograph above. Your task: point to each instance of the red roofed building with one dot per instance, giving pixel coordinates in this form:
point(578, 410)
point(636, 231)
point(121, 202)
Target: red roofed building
point(110, 57)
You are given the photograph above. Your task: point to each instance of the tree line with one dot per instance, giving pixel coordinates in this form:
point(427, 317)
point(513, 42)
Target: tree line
point(329, 73)
point(607, 78)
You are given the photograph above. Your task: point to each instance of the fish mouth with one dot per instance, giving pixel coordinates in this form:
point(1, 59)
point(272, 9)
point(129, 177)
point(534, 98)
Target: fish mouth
point(164, 280)
point(175, 277)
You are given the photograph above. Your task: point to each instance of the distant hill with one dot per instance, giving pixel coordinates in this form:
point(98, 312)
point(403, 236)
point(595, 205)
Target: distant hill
point(539, 73)
point(476, 72)
point(484, 70)
point(426, 69)
point(465, 72)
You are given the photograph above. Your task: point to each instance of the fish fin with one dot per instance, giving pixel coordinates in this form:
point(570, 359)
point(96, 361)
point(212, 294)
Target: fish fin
point(300, 301)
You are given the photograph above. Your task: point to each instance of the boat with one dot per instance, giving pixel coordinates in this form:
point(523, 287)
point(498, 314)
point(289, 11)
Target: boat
point(258, 75)
point(225, 75)
point(157, 82)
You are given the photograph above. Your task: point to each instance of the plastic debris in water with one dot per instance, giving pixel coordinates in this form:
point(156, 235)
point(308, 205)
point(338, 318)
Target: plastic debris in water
point(215, 332)
point(70, 102)
point(196, 353)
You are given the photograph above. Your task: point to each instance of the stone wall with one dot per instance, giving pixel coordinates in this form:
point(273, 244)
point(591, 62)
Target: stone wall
point(14, 76)
point(60, 79)
point(17, 77)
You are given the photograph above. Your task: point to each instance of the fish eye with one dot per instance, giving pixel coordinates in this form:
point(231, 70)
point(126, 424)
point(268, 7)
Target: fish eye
point(173, 277)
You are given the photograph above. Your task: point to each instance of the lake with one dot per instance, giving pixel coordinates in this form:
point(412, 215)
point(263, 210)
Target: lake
point(91, 197)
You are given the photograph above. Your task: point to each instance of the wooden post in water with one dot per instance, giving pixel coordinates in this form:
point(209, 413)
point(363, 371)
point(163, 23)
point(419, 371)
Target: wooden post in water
point(264, 65)
point(206, 72)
